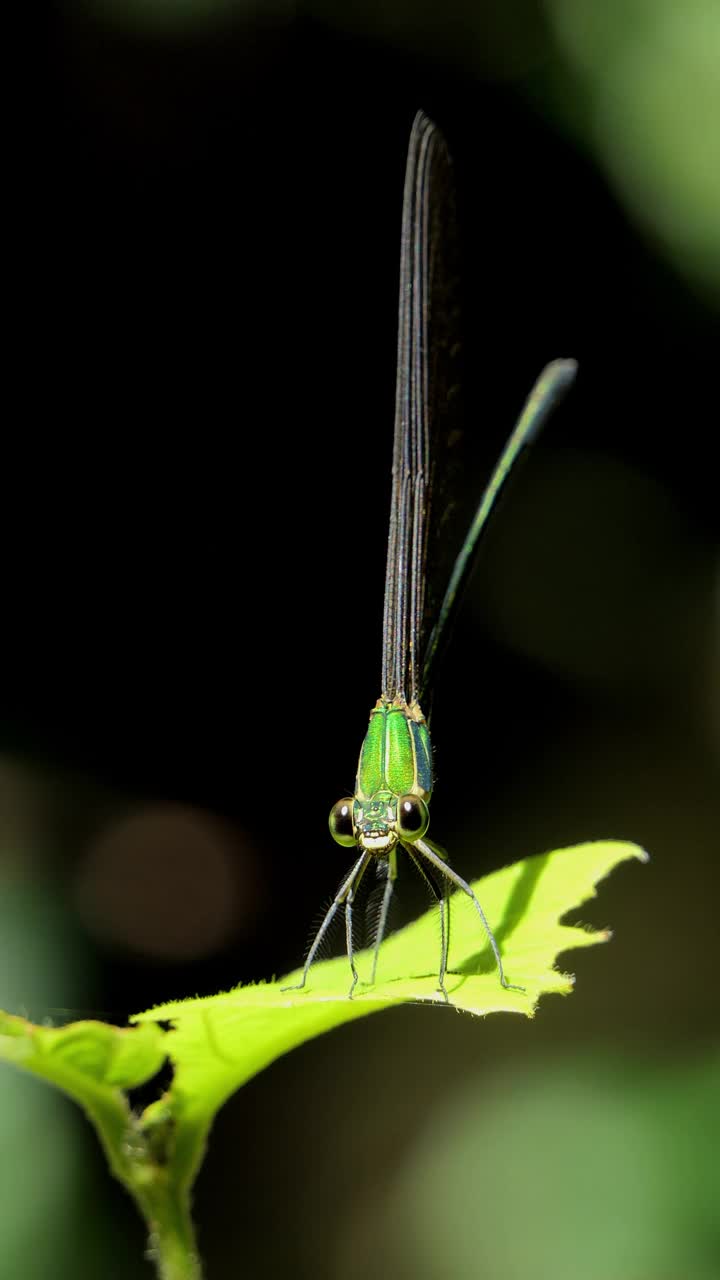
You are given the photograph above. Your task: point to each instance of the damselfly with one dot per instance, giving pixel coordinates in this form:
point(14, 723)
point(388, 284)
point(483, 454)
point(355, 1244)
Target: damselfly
point(389, 810)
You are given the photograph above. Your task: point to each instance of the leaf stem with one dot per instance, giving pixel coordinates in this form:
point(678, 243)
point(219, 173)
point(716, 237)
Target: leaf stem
point(138, 1150)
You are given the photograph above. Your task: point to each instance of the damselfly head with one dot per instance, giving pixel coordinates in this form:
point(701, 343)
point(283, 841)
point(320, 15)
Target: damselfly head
point(377, 824)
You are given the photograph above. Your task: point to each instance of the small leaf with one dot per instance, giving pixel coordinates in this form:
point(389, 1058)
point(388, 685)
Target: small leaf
point(93, 1052)
point(93, 1063)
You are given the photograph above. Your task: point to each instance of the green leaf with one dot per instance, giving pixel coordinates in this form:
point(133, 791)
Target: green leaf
point(219, 1042)
point(83, 1058)
point(94, 1063)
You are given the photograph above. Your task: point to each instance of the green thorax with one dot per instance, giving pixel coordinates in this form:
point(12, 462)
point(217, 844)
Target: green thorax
point(396, 757)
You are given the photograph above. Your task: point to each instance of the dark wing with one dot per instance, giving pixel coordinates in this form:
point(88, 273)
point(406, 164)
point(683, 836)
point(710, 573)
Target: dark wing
point(426, 401)
point(549, 389)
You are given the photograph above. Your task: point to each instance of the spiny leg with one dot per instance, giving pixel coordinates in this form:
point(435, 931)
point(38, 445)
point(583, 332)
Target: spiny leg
point(439, 889)
point(390, 875)
point(425, 848)
point(349, 941)
point(340, 896)
point(349, 899)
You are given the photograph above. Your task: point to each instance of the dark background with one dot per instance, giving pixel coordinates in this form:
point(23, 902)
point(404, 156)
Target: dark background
point(196, 461)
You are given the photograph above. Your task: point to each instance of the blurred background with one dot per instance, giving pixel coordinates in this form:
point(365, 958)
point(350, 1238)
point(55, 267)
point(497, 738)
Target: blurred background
point(195, 484)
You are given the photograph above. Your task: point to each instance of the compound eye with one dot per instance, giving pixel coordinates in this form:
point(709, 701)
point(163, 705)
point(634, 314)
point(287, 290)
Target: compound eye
point(413, 818)
point(340, 822)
